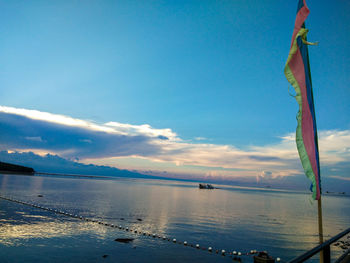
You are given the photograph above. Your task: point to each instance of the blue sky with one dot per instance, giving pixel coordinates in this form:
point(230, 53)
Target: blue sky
point(205, 74)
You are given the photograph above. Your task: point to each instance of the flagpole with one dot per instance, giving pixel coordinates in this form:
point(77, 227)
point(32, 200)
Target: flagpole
point(297, 72)
point(320, 227)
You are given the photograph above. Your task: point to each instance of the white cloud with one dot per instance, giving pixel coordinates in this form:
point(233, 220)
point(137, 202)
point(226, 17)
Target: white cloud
point(35, 139)
point(334, 146)
point(144, 129)
point(200, 138)
point(55, 118)
point(109, 127)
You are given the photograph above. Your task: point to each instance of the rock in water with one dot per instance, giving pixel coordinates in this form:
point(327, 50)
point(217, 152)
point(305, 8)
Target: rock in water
point(124, 240)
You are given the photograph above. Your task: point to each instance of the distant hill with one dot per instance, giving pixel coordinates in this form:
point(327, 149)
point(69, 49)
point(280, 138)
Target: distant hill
point(56, 164)
point(12, 168)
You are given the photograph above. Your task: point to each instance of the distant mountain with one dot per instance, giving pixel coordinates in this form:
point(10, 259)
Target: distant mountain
point(56, 164)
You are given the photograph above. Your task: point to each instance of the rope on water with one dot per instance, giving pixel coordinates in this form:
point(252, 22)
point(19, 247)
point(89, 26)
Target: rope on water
point(234, 254)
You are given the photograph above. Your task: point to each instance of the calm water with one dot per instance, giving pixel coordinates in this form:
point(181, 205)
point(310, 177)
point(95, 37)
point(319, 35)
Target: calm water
point(241, 219)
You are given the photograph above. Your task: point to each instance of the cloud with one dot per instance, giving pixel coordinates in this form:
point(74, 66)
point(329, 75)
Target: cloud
point(264, 158)
point(23, 130)
point(334, 146)
point(35, 138)
point(340, 177)
point(200, 138)
point(54, 118)
point(40, 132)
point(144, 129)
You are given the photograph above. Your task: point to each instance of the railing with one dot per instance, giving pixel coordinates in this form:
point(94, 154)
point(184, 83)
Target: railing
point(325, 247)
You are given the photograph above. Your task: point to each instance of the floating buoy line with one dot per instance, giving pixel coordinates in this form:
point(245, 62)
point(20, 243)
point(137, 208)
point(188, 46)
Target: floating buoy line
point(236, 255)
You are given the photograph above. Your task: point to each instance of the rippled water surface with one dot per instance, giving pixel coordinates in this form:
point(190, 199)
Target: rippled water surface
point(241, 219)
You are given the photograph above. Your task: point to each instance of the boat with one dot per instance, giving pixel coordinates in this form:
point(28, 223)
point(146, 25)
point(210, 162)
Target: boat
point(206, 186)
point(263, 257)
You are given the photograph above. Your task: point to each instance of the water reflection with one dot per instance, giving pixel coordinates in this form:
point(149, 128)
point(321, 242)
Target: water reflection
point(235, 219)
point(21, 226)
point(15, 235)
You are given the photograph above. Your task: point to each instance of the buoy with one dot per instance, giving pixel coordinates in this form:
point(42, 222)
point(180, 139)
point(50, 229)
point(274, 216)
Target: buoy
point(174, 240)
point(210, 249)
point(185, 243)
point(197, 245)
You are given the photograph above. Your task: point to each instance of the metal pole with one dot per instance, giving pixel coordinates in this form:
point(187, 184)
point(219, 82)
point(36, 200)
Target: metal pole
point(315, 250)
point(320, 229)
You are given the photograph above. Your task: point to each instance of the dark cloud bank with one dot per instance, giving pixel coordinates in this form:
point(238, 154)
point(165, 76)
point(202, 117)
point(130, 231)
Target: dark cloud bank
point(19, 132)
point(55, 164)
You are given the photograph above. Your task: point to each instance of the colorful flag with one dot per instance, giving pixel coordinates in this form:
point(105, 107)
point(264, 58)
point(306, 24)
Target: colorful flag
point(297, 71)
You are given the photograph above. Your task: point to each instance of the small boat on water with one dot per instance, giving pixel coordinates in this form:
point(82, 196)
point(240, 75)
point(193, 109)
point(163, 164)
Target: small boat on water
point(263, 257)
point(206, 186)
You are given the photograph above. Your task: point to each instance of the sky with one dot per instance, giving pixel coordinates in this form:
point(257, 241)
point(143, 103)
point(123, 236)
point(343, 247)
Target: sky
point(193, 89)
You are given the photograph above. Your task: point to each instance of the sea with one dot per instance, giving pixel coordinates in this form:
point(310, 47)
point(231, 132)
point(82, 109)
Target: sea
point(143, 220)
